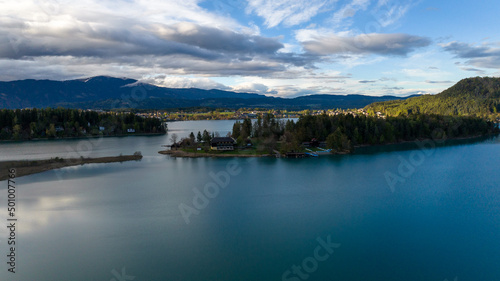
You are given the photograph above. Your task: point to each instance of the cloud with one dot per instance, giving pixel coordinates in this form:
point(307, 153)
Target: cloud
point(389, 13)
point(482, 56)
point(422, 73)
point(350, 10)
point(438, 82)
point(250, 87)
point(480, 71)
point(185, 82)
point(367, 81)
point(195, 43)
point(379, 15)
point(223, 40)
point(109, 37)
point(286, 12)
point(374, 43)
point(74, 38)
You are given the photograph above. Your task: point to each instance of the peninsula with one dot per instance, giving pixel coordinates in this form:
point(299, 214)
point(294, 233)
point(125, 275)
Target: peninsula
point(28, 167)
point(323, 134)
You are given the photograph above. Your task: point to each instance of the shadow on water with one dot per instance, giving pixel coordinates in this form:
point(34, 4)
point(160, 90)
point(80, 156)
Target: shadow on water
point(424, 144)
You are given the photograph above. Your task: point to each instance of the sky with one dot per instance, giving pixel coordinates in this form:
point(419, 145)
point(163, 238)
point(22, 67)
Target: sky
point(284, 48)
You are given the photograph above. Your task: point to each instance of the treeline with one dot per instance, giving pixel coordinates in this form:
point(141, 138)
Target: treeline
point(479, 97)
point(28, 124)
point(344, 131)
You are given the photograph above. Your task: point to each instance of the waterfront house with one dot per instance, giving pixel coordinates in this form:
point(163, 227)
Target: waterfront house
point(222, 143)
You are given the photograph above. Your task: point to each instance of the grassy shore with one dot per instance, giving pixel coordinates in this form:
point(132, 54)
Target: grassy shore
point(28, 167)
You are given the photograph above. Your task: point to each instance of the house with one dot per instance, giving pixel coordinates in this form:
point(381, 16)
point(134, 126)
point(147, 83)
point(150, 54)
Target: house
point(314, 142)
point(222, 143)
point(130, 130)
point(101, 128)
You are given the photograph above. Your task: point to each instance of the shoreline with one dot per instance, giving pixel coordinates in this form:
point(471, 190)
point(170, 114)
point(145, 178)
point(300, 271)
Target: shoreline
point(29, 167)
point(185, 154)
point(83, 137)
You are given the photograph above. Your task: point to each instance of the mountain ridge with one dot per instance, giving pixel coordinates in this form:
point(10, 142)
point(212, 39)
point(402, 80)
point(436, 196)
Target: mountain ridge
point(106, 92)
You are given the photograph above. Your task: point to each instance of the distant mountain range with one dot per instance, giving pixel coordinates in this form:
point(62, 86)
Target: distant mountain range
point(478, 96)
point(103, 92)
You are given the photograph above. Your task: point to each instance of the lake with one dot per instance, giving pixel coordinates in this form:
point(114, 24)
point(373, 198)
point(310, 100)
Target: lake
point(384, 213)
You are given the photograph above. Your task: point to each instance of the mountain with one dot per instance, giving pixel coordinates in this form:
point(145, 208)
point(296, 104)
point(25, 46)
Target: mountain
point(104, 92)
point(478, 96)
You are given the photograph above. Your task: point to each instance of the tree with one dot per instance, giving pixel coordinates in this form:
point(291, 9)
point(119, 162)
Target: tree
point(236, 129)
point(51, 132)
point(246, 128)
point(173, 138)
point(17, 132)
point(206, 136)
point(191, 137)
point(267, 145)
point(338, 141)
point(199, 137)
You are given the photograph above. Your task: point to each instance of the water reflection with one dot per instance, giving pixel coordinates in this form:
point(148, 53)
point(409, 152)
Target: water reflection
point(102, 217)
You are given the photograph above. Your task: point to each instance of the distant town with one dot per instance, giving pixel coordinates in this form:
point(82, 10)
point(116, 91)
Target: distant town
point(226, 114)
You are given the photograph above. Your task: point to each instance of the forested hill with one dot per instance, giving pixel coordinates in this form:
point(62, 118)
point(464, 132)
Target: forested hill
point(479, 96)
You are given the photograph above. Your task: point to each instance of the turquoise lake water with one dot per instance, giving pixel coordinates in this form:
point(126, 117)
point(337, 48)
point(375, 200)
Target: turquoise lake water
point(386, 213)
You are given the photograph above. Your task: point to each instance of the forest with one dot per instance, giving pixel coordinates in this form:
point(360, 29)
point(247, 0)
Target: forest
point(27, 124)
point(479, 97)
point(343, 132)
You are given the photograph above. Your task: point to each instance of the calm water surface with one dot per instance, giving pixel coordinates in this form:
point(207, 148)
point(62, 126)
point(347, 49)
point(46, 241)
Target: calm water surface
point(440, 219)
